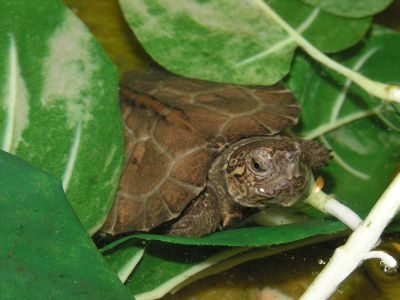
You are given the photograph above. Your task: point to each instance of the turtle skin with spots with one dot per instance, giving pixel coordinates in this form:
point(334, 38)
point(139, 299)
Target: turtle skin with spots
point(199, 154)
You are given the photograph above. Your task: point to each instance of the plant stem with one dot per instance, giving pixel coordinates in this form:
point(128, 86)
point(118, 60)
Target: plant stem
point(358, 247)
point(331, 206)
point(375, 88)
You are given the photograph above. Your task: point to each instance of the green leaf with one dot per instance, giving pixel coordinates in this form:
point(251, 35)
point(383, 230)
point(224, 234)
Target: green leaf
point(59, 107)
point(353, 9)
point(363, 133)
point(233, 41)
point(251, 236)
point(45, 252)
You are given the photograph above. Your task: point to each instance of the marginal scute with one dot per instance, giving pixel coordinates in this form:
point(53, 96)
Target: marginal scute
point(239, 128)
point(230, 101)
point(125, 214)
point(275, 120)
point(157, 211)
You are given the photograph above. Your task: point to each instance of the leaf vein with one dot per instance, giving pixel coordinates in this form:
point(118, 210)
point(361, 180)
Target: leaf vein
point(72, 157)
point(11, 97)
point(282, 44)
point(343, 93)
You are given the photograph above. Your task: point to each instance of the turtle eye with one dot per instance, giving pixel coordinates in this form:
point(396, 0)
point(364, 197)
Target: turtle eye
point(260, 166)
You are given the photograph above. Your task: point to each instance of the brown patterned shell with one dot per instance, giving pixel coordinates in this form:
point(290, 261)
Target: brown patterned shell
point(174, 128)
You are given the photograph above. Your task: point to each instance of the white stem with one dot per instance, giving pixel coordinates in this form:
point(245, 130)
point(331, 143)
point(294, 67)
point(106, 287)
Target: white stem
point(347, 257)
point(327, 204)
point(343, 213)
point(378, 89)
point(388, 260)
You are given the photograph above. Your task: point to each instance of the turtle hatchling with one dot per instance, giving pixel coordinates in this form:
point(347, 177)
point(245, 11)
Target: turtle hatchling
point(199, 155)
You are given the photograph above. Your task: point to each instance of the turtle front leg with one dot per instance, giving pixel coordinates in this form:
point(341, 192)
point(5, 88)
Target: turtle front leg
point(201, 217)
point(232, 213)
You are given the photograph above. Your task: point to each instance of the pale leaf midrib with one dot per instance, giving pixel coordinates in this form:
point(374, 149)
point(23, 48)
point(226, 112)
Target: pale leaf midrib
point(11, 97)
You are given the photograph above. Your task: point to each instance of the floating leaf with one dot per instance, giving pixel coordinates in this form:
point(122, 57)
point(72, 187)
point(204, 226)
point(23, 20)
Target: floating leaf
point(43, 244)
point(234, 41)
point(58, 103)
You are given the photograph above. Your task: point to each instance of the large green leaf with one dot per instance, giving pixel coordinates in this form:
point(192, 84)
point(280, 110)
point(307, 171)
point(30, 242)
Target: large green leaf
point(234, 41)
point(251, 236)
point(45, 253)
point(59, 107)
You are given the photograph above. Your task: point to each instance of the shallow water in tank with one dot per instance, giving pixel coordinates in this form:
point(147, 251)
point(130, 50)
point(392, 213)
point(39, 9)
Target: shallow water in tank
point(287, 275)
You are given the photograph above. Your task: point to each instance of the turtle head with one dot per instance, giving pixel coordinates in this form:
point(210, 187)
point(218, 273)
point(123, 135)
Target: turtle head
point(272, 170)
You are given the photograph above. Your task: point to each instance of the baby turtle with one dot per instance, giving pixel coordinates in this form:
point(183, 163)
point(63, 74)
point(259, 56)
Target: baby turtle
point(199, 153)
